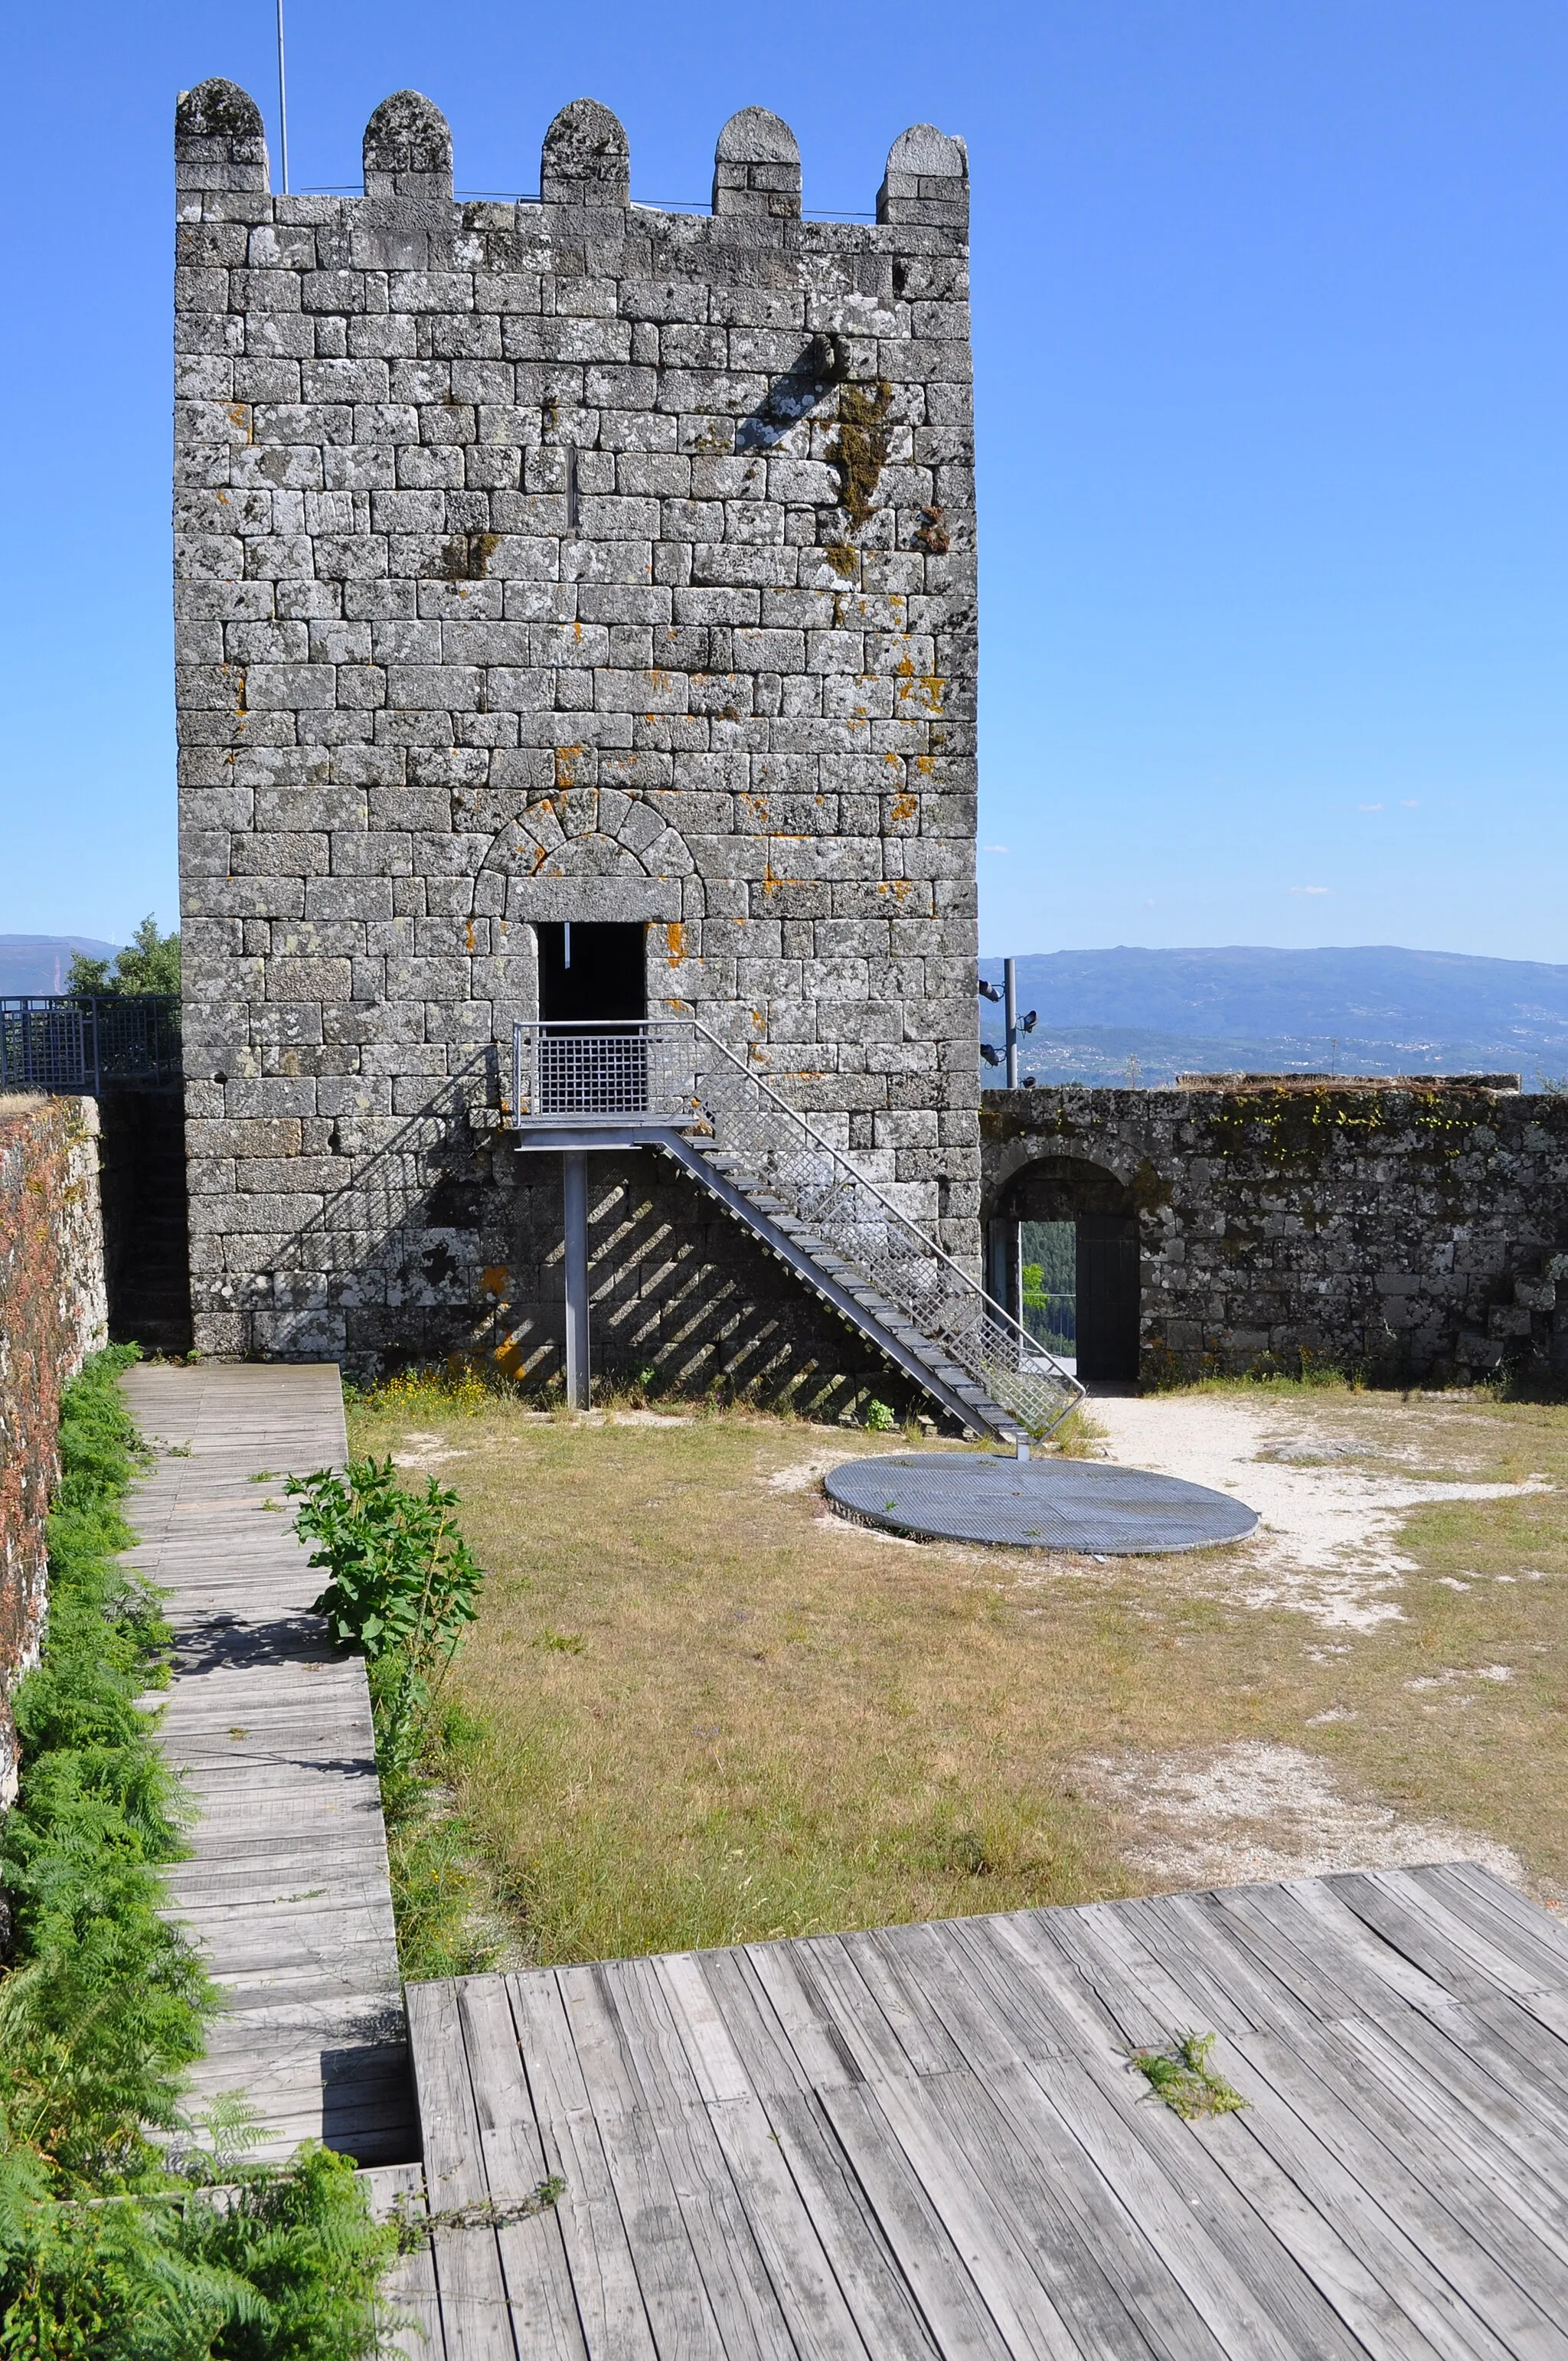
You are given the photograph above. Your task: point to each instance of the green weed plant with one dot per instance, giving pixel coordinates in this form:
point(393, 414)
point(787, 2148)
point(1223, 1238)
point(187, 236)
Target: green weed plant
point(1181, 2075)
point(403, 1587)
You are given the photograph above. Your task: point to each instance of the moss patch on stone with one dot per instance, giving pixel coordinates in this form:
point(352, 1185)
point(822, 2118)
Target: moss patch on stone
point(857, 452)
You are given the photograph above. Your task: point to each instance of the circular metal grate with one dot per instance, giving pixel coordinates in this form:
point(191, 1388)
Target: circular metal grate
point(1048, 1504)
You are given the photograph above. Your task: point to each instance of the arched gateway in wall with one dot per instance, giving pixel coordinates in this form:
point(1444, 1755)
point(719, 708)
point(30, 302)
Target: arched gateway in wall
point(1077, 1225)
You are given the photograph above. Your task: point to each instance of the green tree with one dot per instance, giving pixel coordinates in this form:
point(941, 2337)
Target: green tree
point(150, 962)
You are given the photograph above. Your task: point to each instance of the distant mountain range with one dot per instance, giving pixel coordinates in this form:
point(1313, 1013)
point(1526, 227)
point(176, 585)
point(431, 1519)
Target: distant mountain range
point(1117, 1015)
point(41, 962)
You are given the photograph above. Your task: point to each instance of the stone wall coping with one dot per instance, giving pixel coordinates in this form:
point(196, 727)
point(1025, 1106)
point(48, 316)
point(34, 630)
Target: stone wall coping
point(1022, 1102)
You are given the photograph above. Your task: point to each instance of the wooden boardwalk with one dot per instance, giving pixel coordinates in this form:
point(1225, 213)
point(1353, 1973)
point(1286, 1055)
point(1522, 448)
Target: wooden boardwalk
point(928, 2141)
point(286, 1888)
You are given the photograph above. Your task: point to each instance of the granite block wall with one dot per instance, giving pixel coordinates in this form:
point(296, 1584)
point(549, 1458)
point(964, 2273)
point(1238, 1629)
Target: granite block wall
point(1417, 1232)
point(53, 1313)
point(562, 559)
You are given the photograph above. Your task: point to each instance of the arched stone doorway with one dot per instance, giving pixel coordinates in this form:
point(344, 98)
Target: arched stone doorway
point(1060, 1214)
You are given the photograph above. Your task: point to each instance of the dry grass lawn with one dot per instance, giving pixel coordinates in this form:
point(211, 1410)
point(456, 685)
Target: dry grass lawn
point(704, 1710)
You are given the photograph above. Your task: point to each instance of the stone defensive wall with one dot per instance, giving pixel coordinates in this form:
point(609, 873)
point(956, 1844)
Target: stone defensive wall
point(1414, 1230)
point(553, 562)
point(53, 1314)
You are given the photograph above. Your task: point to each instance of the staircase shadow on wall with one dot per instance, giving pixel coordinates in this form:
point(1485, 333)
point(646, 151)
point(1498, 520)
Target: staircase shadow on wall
point(372, 1278)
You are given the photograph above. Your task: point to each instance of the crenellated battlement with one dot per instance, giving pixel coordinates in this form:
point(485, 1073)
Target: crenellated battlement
point(220, 149)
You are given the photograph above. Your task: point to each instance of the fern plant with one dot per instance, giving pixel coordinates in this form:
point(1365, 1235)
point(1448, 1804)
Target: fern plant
point(115, 2245)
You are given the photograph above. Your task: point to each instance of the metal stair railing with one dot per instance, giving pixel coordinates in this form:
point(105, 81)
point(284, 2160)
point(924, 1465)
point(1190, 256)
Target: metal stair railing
point(682, 1074)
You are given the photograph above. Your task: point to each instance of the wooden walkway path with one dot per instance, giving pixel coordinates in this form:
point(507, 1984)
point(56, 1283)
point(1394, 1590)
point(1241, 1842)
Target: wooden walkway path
point(286, 1888)
point(928, 2141)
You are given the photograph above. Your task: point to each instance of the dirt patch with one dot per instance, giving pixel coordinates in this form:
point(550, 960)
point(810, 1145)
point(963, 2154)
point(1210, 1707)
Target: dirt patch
point(1328, 1547)
point(1255, 1811)
point(424, 1453)
point(805, 1474)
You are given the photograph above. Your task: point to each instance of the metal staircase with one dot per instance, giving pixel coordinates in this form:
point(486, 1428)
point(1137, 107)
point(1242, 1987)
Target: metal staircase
point(671, 1084)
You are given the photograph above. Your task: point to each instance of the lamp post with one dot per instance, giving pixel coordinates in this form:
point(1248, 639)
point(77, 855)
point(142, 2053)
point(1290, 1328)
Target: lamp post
point(1006, 1249)
point(1014, 1028)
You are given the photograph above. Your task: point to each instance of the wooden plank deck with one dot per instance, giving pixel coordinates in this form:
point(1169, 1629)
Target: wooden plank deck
point(927, 2143)
point(287, 1887)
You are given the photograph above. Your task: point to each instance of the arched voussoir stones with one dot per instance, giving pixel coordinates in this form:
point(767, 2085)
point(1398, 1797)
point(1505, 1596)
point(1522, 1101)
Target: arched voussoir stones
point(590, 853)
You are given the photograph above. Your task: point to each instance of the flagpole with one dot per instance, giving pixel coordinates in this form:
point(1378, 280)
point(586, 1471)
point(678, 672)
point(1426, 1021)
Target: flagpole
point(283, 103)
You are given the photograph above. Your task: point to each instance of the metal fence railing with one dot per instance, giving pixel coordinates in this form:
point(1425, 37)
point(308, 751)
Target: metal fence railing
point(673, 1071)
point(1051, 1318)
point(57, 1041)
point(612, 1073)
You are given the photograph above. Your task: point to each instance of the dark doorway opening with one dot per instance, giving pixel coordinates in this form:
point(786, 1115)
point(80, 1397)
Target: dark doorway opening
point(1058, 1209)
point(147, 1246)
point(593, 1000)
point(1107, 1295)
point(592, 974)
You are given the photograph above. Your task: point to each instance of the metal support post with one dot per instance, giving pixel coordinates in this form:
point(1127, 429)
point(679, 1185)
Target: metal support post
point(1015, 1229)
point(282, 102)
point(1010, 1018)
point(574, 1200)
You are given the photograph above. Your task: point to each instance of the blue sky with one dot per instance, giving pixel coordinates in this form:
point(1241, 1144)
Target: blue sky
point(1272, 381)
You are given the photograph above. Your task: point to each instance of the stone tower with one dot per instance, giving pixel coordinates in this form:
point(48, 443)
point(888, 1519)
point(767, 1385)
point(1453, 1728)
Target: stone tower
point(550, 564)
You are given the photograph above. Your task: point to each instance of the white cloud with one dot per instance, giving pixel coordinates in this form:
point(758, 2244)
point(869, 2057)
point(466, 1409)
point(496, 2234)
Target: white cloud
point(993, 848)
point(1368, 806)
point(1409, 803)
point(1312, 889)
